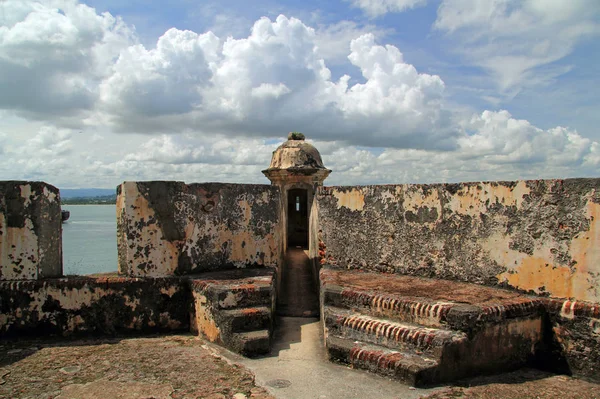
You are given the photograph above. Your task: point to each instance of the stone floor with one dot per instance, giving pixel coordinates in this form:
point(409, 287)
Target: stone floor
point(521, 384)
point(298, 368)
point(161, 367)
point(184, 366)
point(299, 295)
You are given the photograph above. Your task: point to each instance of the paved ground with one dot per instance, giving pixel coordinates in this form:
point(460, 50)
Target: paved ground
point(521, 384)
point(299, 293)
point(298, 368)
point(184, 366)
point(177, 366)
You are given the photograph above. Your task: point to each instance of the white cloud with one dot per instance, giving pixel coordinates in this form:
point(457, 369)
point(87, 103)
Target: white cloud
point(165, 80)
point(44, 154)
point(270, 82)
point(266, 90)
point(215, 150)
point(498, 138)
point(198, 107)
point(375, 8)
point(518, 41)
point(53, 55)
point(496, 147)
point(49, 142)
point(333, 41)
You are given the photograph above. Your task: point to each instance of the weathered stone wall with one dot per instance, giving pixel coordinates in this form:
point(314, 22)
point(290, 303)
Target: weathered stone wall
point(170, 228)
point(539, 236)
point(104, 305)
point(30, 231)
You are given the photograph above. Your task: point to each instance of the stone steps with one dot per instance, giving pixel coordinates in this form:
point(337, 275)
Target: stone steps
point(247, 319)
point(390, 306)
point(384, 323)
point(347, 324)
point(468, 311)
point(250, 343)
point(411, 368)
point(235, 309)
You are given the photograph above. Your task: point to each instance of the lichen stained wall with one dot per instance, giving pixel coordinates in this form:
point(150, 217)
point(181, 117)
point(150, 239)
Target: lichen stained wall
point(540, 236)
point(30, 231)
point(105, 305)
point(171, 228)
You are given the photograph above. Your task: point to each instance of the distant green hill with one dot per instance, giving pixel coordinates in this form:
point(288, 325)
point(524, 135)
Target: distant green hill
point(97, 200)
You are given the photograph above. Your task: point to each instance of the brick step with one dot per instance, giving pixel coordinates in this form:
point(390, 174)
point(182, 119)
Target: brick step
point(397, 298)
point(394, 335)
point(493, 329)
point(389, 306)
point(246, 319)
point(410, 368)
point(250, 343)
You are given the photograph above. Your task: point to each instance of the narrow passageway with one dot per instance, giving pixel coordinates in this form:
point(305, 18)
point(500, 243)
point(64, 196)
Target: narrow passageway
point(298, 295)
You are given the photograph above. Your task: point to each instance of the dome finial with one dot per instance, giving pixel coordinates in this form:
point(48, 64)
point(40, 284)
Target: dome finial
point(296, 136)
point(296, 160)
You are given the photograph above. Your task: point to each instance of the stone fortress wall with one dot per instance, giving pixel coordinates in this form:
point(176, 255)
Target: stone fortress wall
point(170, 228)
point(539, 237)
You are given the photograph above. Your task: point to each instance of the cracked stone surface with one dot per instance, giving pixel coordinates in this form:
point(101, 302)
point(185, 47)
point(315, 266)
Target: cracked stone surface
point(525, 383)
point(176, 366)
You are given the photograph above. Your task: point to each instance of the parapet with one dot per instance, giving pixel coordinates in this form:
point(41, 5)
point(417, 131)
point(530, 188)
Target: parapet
point(30, 231)
point(172, 228)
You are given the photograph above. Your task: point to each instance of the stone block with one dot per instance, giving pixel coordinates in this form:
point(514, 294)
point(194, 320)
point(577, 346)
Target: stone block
point(30, 231)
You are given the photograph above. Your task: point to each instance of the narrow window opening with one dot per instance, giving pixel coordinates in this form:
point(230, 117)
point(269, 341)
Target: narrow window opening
point(297, 214)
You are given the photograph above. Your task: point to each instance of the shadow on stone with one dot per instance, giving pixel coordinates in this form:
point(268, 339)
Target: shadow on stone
point(298, 295)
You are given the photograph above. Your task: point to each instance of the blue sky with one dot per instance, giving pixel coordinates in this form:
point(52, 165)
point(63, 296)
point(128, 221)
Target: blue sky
point(96, 92)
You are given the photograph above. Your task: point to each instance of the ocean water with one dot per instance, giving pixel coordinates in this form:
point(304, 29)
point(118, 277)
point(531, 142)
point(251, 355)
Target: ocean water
point(90, 239)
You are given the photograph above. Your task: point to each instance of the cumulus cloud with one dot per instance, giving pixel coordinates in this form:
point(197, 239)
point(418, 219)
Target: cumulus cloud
point(375, 8)
point(53, 55)
point(49, 142)
point(271, 81)
point(186, 149)
point(161, 81)
point(485, 152)
point(333, 41)
point(498, 138)
point(517, 41)
point(44, 154)
point(502, 148)
point(198, 107)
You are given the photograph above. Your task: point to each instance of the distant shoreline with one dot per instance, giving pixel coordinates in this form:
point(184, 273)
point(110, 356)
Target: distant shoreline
point(101, 200)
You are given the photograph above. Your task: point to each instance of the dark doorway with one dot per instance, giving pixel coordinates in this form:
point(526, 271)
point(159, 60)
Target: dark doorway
point(298, 296)
point(297, 218)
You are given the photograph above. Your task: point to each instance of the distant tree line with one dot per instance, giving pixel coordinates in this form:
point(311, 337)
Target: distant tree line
point(99, 200)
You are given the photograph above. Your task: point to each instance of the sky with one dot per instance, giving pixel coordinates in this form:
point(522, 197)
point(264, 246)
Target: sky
point(390, 91)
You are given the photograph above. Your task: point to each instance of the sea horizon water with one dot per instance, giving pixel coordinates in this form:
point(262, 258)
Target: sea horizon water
point(89, 239)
